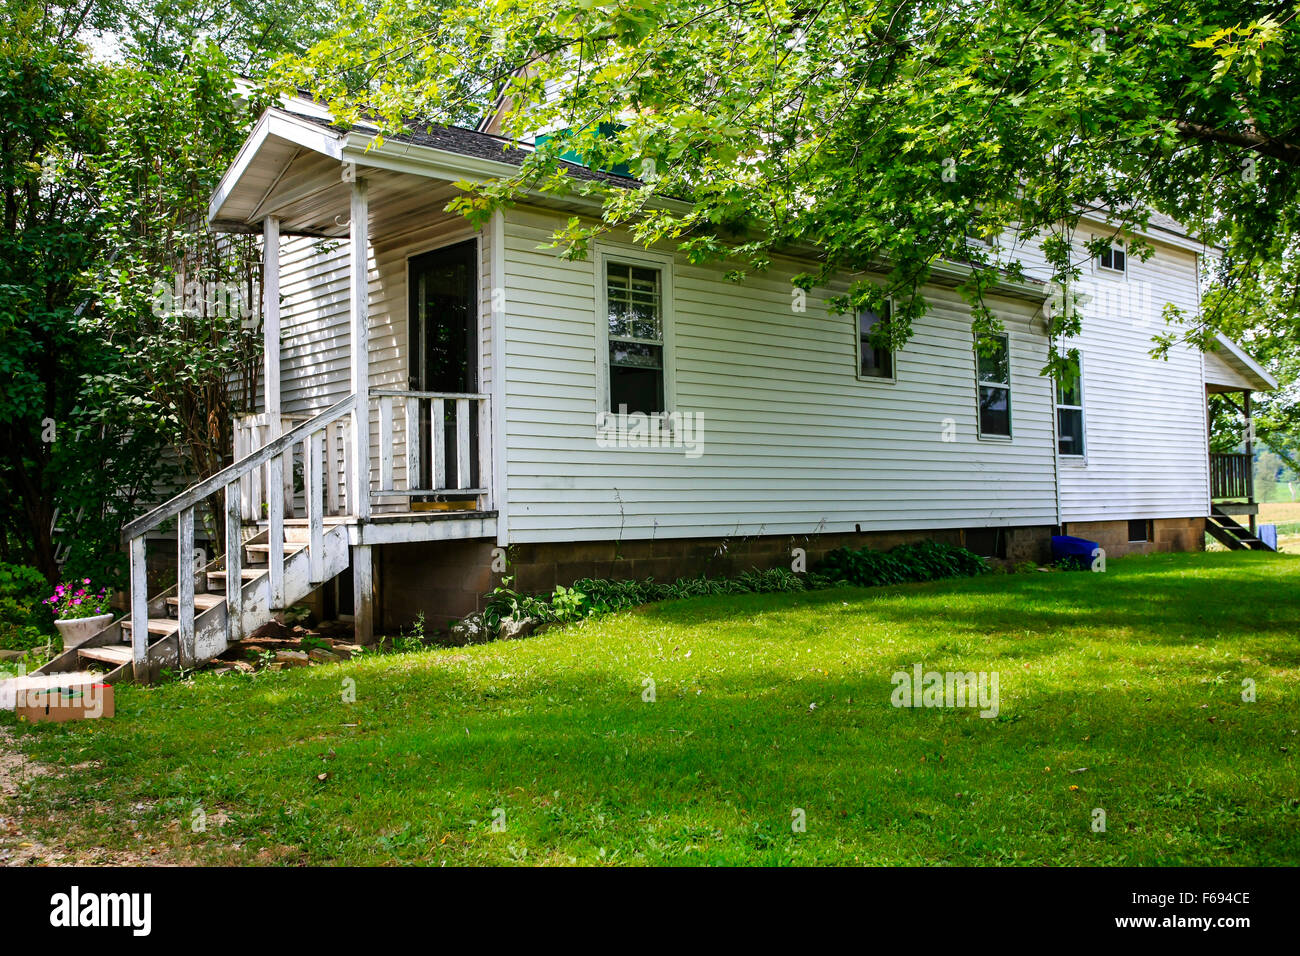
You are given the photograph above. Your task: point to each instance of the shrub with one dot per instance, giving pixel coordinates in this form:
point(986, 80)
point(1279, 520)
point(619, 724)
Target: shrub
point(924, 561)
point(590, 596)
point(24, 621)
point(921, 561)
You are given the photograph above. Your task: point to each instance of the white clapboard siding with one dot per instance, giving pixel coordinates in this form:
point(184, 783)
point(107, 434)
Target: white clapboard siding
point(314, 349)
point(793, 441)
point(1144, 418)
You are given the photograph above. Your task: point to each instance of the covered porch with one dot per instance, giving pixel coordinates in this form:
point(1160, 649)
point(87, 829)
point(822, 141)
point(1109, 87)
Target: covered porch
point(411, 457)
point(1233, 375)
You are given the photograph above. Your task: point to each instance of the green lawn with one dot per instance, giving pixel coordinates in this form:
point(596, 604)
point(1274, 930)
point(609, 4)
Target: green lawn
point(1135, 675)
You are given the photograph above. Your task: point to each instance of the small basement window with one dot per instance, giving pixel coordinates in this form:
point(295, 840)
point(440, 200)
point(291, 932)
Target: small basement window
point(874, 362)
point(986, 542)
point(1139, 530)
point(1113, 258)
point(993, 371)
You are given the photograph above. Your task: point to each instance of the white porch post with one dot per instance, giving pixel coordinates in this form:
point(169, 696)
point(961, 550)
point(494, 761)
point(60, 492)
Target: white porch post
point(362, 567)
point(271, 319)
point(271, 389)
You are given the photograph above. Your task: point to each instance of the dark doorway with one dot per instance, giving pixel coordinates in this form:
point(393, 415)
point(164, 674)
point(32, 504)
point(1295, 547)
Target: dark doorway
point(443, 314)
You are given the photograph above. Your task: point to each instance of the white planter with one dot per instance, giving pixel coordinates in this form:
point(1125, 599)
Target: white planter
point(76, 630)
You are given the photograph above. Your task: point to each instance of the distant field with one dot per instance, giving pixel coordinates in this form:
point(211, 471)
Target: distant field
point(1279, 512)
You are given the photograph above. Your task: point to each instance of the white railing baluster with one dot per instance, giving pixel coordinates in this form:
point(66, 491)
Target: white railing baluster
point(234, 566)
point(331, 470)
point(286, 469)
point(139, 611)
point(344, 472)
point(245, 480)
point(438, 426)
point(484, 454)
point(462, 443)
point(386, 444)
point(315, 520)
point(254, 511)
point(185, 587)
point(275, 531)
point(412, 443)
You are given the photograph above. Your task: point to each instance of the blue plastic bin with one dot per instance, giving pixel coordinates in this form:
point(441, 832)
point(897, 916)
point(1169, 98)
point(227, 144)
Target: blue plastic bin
point(1077, 551)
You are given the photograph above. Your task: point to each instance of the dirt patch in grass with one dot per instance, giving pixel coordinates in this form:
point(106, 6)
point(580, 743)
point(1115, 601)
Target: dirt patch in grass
point(18, 846)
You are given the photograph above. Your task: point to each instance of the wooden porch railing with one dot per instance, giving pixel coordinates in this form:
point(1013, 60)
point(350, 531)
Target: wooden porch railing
point(253, 432)
point(270, 461)
point(447, 444)
point(1232, 477)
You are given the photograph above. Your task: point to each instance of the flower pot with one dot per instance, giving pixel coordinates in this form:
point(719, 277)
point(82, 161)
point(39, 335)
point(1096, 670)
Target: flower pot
point(76, 630)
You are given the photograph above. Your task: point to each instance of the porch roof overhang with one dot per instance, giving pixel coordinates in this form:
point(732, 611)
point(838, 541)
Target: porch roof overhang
point(1228, 368)
point(297, 168)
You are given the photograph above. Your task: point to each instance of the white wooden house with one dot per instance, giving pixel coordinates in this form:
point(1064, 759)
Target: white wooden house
point(433, 393)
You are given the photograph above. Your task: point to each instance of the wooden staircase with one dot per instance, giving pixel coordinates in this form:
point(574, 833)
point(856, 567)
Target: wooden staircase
point(203, 614)
point(111, 648)
point(1224, 528)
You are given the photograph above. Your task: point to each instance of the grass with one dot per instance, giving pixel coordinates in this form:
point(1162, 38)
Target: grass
point(1120, 691)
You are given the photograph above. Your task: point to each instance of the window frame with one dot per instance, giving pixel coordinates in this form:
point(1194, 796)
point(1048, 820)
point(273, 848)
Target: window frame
point(891, 379)
point(1009, 386)
point(609, 253)
point(1080, 408)
point(1113, 245)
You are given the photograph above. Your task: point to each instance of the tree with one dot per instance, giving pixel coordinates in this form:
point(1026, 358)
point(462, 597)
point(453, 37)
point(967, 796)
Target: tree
point(108, 391)
point(883, 133)
point(49, 97)
point(179, 307)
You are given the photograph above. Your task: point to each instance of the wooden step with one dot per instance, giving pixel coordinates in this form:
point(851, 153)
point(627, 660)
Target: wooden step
point(217, 579)
point(201, 601)
point(115, 654)
point(290, 547)
point(260, 554)
point(159, 626)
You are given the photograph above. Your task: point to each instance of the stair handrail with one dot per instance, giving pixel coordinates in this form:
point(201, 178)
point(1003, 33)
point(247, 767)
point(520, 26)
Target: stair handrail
point(215, 482)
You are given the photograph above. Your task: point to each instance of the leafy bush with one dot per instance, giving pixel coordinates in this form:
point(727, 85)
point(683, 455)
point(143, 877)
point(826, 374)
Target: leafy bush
point(24, 621)
point(924, 561)
point(921, 561)
point(590, 596)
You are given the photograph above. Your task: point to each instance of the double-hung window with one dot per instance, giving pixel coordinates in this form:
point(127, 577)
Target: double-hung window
point(875, 362)
point(634, 299)
point(1069, 408)
point(993, 371)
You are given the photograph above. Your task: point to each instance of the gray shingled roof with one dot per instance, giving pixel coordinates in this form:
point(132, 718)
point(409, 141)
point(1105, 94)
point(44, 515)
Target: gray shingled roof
point(469, 142)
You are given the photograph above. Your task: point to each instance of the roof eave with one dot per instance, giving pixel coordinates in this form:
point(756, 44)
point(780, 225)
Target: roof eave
point(1248, 366)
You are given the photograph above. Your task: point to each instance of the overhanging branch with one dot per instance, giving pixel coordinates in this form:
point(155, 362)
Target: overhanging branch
point(1256, 142)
